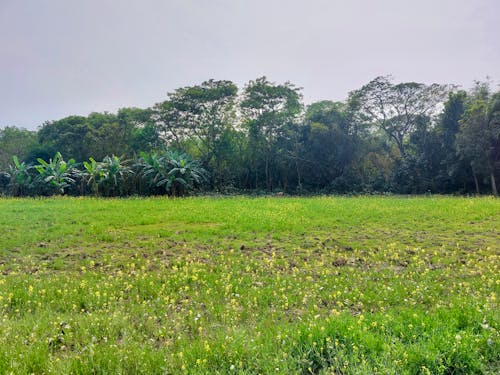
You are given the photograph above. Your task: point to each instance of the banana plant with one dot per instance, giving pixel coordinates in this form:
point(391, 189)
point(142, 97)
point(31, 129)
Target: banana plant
point(55, 175)
point(114, 173)
point(93, 174)
point(172, 172)
point(183, 174)
point(20, 178)
point(152, 168)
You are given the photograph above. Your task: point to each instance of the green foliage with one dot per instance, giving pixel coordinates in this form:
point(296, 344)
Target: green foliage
point(386, 137)
point(453, 171)
point(173, 172)
point(164, 172)
point(100, 134)
point(93, 174)
point(69, 136)
point(183, 174)
point(55, 176)
point(478, 141)
point(4, 182)
point(396, 108)
point(329, 128)
point(152, 167)
point(20, 182)
point(16, 141)
point(113, 173)
point(268, 110)
point(200, 116)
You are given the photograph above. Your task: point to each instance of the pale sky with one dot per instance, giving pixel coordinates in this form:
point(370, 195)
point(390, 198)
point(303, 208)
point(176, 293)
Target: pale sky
point(65, 57)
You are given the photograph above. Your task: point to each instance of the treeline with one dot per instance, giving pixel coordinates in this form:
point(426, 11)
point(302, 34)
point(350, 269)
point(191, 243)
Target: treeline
point(407, 138)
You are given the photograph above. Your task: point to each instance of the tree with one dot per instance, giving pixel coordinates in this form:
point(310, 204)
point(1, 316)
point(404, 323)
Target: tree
point(69, 136)
point(330, 145)
point(494, 136)
point(416, 171)
point(16, 141)
point(144, 135)
point(267, 110)
point(108, 135)
point(97, 135)
point(199, 116)
point(451, 174)
point(478, 140)
point(4, 182)
point(396, 108)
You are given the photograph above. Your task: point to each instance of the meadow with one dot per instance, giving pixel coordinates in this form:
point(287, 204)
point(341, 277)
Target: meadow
point(323, 285)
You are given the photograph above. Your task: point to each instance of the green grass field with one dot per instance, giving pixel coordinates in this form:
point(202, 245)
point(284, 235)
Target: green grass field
point(250, 285)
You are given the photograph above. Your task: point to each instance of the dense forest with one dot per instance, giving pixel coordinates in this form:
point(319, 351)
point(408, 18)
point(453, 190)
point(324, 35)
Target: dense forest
point(404, 138)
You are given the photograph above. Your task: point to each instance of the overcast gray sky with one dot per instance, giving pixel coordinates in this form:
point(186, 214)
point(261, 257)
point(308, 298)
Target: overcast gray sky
point(64, 57)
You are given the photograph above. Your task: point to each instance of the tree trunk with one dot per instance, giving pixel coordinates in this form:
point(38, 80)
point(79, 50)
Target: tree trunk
point(298, 174)
point(268, 184)
point(475, 181)
point(401, 148)
point(399, 142)
point(493, 184)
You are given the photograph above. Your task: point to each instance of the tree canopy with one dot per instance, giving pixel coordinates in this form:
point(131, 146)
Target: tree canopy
point(404, 137)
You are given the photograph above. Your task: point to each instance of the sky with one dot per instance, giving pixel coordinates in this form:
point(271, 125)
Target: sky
point(74, 57)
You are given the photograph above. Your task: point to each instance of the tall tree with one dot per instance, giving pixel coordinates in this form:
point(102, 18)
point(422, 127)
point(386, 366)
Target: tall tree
point(201, 115)
point(69, 136)
point(97, 135)
point(396, 108)
point(451, 175)
point(267, 109)
point(416, 172)
point(478, 141)
point(330, 145)
point(144, 135)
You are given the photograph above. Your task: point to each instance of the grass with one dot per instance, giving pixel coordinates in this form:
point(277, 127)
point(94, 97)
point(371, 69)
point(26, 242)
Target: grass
point(326, 285)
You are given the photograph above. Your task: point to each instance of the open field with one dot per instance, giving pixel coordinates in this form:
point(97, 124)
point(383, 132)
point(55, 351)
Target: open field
point(246, 286)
